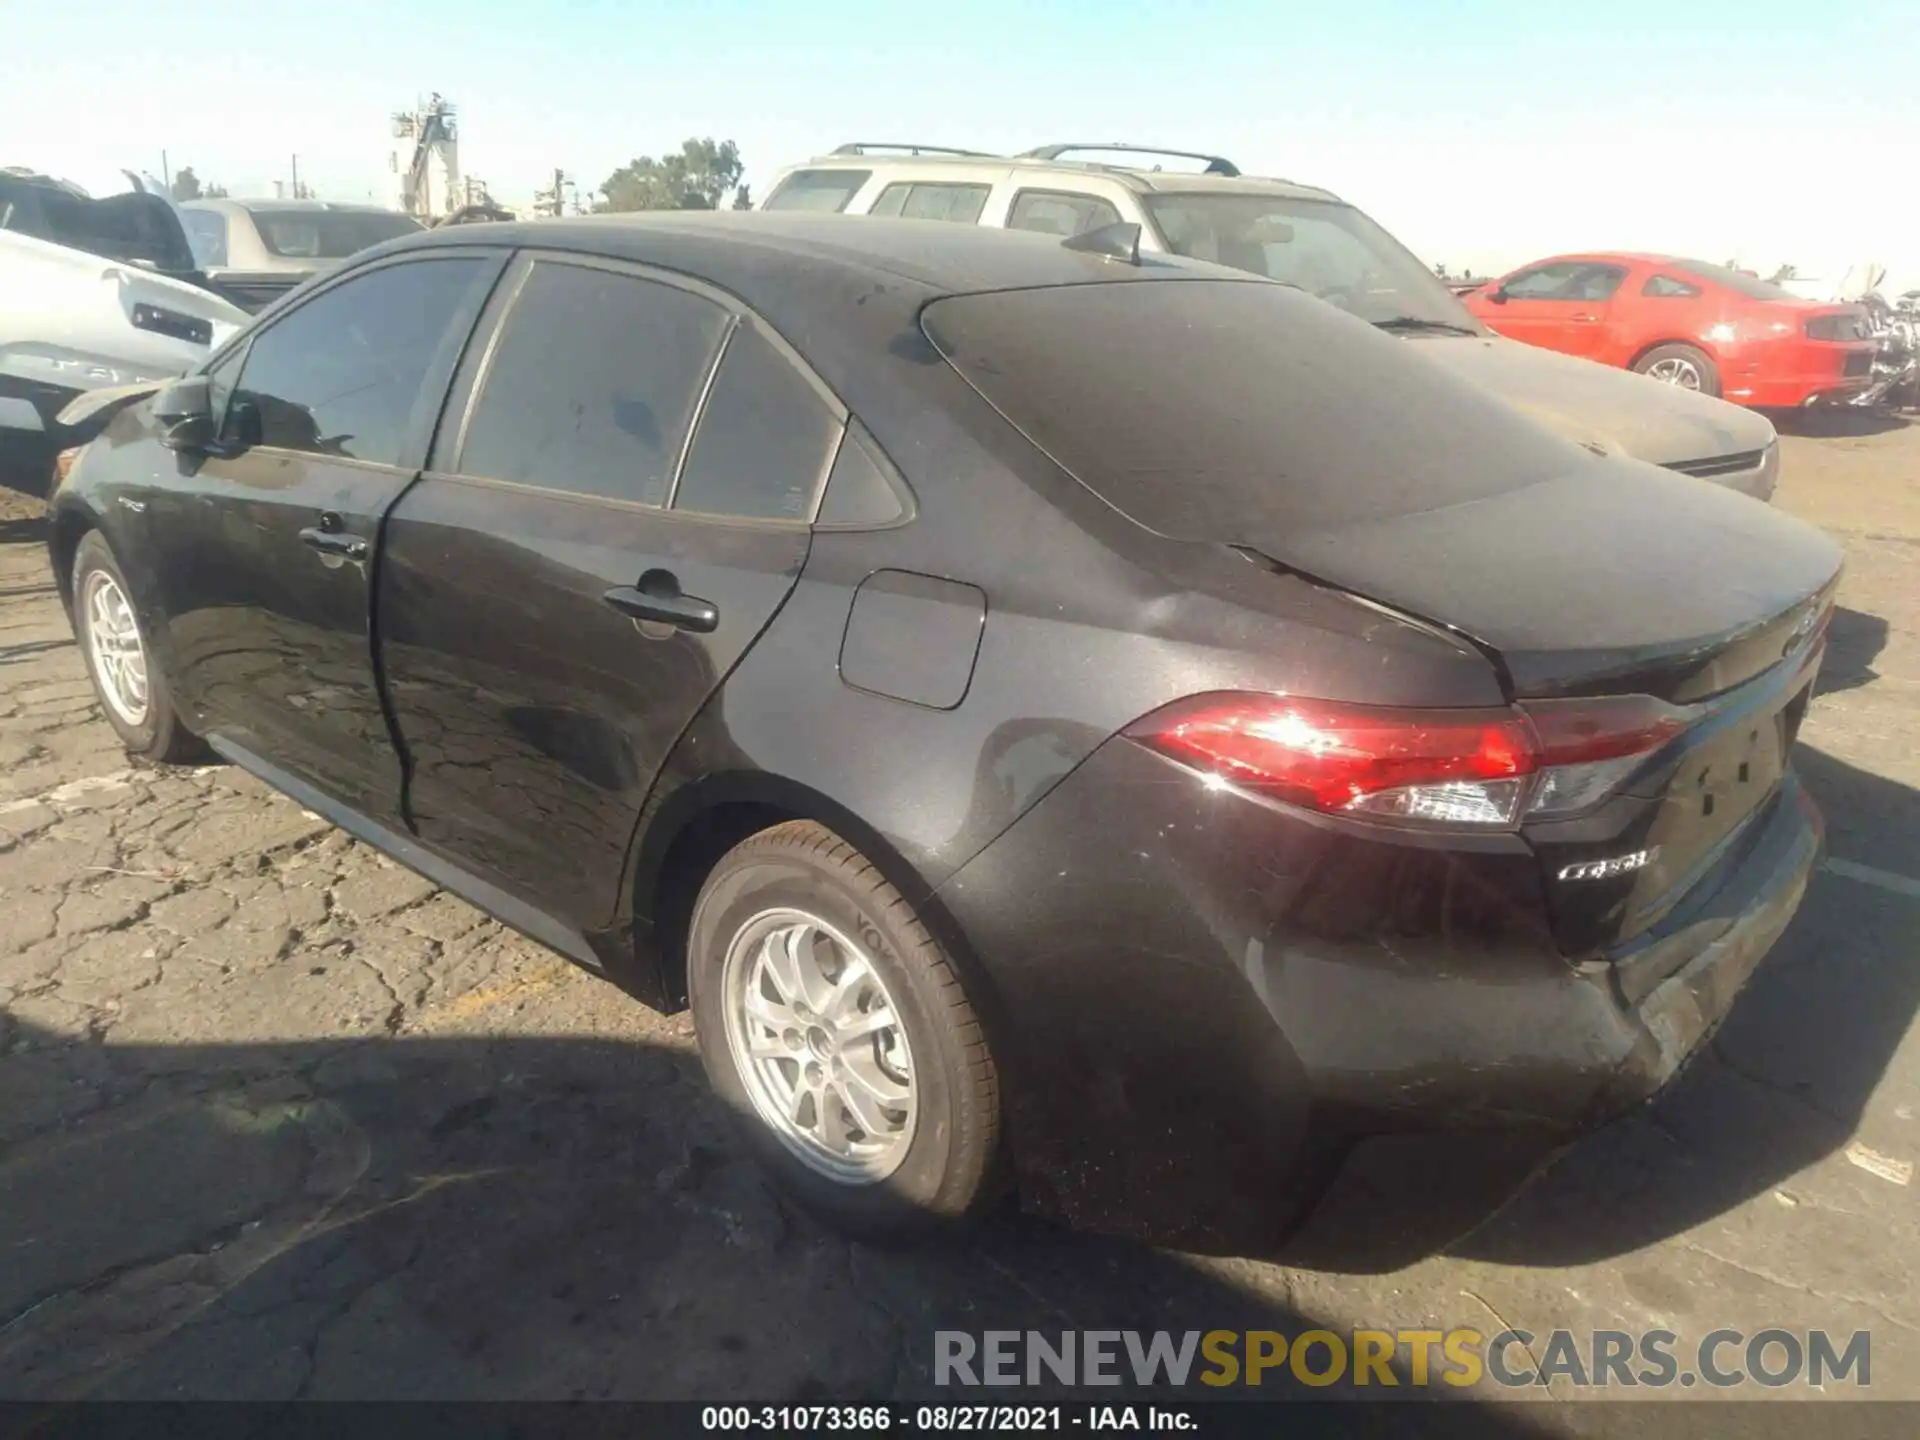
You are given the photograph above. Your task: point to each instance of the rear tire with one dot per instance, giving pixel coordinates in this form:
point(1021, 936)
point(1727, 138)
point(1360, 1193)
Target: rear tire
point(127, 678)
point(1683, 366)
point(838, 1032)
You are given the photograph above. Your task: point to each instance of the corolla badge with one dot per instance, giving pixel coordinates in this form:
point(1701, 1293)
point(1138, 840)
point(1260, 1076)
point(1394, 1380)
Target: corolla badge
point(1610, 867)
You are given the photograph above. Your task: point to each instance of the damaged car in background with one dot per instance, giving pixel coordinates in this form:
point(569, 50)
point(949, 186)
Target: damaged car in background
point(255, 251)
point(96, 294)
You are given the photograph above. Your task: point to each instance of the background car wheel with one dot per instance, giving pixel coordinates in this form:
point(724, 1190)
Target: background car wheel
point(1681, 365)
point(834, 1025)
point(126, 675)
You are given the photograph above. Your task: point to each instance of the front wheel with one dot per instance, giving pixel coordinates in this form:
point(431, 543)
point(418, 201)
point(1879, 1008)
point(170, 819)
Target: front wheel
point(126, 676)
point(837, 1030)
point(1681, 365)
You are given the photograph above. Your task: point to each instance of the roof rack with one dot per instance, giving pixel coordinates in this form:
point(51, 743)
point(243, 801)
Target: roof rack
point(1216, 164)
point(864, 147)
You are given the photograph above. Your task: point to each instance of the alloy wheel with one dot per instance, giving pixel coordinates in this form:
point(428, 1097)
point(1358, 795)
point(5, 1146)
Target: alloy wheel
point(819, 1042)
point(1676, 370)
point(113, 640)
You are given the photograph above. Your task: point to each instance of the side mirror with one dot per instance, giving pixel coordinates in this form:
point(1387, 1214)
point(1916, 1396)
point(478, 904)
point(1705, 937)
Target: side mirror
point(184, 411)
point(1497, 294)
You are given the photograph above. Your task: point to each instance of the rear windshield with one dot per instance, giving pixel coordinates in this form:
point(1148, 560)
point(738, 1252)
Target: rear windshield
point(1750, 286)
point(325, 235)
point(1236, 411)
point(133, 228)
point(823, 190)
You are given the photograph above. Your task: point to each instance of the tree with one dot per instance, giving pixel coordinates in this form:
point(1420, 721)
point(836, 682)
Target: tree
point(695, 179)
point(186, 185)
point(214, 192)
point(742, 200)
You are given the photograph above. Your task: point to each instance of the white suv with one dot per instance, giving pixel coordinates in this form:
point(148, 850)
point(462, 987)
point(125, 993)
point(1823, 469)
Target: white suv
point(1303, 236)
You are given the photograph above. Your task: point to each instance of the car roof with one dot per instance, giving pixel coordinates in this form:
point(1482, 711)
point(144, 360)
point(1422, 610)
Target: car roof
point(226, 204)
point(769, 259)
point(845, 291)
point(1140, 179)
point(1604, 257)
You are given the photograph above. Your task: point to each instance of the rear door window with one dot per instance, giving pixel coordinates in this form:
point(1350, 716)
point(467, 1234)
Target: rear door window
point(346, 373)
point(823, 190)
point(1060, 212)
point(921, 200)
point(764, 439)
point(593, 384)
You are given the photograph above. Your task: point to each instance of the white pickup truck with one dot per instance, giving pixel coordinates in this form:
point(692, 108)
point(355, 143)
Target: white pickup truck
point(95, 293)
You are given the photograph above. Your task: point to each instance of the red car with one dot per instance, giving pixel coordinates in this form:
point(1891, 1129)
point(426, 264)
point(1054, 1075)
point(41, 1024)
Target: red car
point(1703, 327)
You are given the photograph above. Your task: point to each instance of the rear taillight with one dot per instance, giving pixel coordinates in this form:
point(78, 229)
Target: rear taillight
point(63, 464)
point(1587, 747)
point(1432, 767)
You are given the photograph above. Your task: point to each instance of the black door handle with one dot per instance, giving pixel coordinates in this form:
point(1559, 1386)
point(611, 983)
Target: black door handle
point(657, 598)
point(333, 542)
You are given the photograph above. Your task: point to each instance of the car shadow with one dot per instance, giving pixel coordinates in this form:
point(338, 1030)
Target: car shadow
point(504, 1218)
point(1837, 423)
point(1854, 641)
point(23, 530)
point(1783, 1084)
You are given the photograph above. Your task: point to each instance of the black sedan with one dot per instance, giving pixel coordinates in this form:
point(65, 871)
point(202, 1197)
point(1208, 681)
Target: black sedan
point(1105, 728)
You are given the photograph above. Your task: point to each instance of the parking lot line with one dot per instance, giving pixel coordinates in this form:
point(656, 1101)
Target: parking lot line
point(1868, 875)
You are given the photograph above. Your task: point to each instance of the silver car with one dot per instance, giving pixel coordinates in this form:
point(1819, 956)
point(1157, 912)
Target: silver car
point(1306, 237)
point(255, 251)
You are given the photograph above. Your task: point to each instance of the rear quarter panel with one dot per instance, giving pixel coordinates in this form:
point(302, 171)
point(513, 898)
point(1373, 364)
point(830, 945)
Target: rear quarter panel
point(1090, 623)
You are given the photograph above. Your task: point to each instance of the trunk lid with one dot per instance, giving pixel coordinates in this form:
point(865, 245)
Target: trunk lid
point(1614, 578)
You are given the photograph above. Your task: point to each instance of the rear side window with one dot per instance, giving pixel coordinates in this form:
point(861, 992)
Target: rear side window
point(959, 203)
point(827, 190)
point(1751, 286)
point(1057, 212)
point(592, 384)
point(764, 438)
point(1665, 287)
point(343, 374)
point(328, 234)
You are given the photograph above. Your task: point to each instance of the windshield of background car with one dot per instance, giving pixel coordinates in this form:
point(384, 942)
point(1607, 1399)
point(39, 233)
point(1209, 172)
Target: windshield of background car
point(1328, 249)
point(324, 235)
point(1225, 409)
point(133, 228)
point(1750, 286)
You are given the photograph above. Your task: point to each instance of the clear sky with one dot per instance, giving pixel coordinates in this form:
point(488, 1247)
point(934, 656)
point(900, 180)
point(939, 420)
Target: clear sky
point(1482, 133)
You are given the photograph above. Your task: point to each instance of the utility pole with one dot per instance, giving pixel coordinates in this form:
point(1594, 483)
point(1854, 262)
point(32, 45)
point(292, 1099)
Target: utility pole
point(296, 179)
point(166, 175)
point(559, 193)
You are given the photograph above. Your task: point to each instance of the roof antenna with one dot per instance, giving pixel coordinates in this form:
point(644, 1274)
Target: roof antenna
point(1119, 241)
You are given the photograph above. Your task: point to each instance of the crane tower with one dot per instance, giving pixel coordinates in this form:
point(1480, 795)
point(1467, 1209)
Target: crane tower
point(426, 161)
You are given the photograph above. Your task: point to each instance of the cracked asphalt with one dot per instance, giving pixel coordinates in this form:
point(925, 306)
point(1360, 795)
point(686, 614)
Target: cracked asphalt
point(279, 1119)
